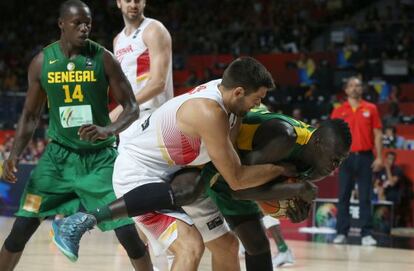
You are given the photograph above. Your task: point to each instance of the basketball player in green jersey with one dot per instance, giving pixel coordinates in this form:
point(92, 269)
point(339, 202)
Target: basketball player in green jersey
point(266, 137)
point(72, 76)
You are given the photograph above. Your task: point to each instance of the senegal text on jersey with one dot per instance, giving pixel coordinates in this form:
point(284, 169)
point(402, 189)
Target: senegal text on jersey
point(71, 76)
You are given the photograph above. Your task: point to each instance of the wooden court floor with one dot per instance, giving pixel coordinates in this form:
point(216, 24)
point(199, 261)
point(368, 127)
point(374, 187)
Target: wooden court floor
point(101, 252)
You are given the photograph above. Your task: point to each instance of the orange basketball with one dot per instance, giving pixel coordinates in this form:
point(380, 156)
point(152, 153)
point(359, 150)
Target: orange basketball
point(276, 208)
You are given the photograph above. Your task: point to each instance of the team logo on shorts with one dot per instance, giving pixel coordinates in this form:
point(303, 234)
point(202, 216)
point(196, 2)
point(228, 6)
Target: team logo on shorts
point(32, 203)
point(215, 223)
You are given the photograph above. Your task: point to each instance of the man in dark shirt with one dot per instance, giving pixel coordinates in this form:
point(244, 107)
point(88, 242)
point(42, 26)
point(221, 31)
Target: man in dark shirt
point(387, 186)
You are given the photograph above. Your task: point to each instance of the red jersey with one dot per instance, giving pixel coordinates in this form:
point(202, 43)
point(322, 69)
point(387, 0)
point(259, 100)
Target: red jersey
point(362, 121)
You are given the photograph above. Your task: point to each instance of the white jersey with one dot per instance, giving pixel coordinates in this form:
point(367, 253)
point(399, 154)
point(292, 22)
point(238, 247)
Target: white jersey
point(159, 144)
point(157, 150)
point(133, 55)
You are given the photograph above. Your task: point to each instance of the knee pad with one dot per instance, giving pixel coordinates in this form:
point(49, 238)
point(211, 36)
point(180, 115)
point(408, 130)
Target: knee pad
point(23, 229)
point(149, 197)
point(129, 239)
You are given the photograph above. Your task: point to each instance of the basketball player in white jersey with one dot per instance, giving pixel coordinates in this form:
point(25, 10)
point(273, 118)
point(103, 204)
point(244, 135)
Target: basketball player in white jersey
point(143, 48)
point(189, 130)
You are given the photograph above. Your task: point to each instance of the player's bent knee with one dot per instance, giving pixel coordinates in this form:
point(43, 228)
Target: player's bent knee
point(226, 245)
point(232, 244)
point(193, 245)
point(188, 244)
point(256, 246)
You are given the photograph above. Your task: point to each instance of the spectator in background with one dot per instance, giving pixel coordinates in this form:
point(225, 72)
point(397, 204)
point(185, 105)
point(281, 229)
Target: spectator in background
point(311, 92)
point(297, 113)
point(10, 81)
point(192, 80)
point(39, 148)
point(363, 58)
point(365, 124)
point(208, 75)
point(324, 78)
point(31, 154)
point(395, 94)
point(391, 140)
point(306, 70)
point(370, 94)
point(6, 147)
point(387, 181)
point(347, 56)
point(28, 155)
point(392, 118)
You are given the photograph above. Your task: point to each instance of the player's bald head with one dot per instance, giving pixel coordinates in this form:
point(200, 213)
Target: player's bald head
point(337, 131)
point(65, 7)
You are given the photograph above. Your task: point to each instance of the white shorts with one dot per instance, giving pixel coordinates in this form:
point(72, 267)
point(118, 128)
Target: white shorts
point(130, 173)
point(161, 228)
point(207, 218)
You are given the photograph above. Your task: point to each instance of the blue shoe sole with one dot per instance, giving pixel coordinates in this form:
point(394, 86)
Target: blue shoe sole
point(72, 257)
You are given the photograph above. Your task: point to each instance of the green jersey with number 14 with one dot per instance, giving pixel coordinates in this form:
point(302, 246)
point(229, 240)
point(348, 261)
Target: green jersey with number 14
point(77, 93)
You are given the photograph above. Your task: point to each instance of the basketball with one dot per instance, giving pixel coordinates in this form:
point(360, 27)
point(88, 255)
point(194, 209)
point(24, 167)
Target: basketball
point(276, 208)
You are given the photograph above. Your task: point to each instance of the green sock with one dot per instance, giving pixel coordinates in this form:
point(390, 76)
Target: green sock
point(282, 247)
point(102, 213)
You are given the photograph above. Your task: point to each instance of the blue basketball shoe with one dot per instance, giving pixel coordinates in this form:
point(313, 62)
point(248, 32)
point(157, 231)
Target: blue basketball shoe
point(68, 231)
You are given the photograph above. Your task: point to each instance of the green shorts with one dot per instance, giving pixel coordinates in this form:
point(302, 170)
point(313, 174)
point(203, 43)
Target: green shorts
point(219, 191)
point(63, 179)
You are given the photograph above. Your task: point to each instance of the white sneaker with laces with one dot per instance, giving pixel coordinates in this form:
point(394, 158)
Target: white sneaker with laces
point(283, 258)
point(340, 239)
point(368, 241)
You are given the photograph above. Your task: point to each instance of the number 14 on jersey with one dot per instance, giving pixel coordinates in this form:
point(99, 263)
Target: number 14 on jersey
point(76, 95)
